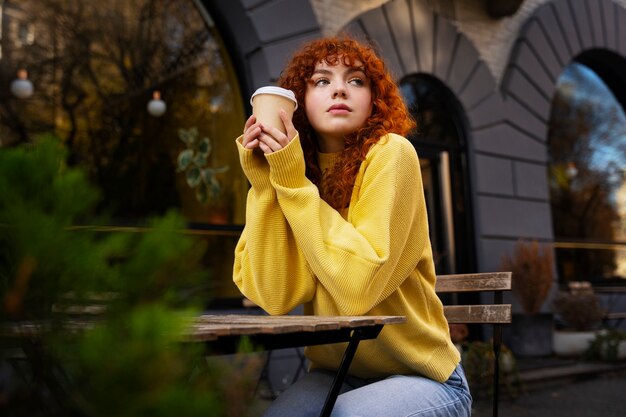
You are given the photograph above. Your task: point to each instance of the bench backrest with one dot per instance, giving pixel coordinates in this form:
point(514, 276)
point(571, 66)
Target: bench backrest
point(495, 282)
point(496, 314)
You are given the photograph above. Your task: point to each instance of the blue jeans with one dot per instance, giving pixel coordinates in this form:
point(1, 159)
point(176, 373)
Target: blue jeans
point(395, 396)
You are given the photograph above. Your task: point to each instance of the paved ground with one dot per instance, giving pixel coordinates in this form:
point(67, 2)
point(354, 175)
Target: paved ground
point(597, 396)
point(602, 395)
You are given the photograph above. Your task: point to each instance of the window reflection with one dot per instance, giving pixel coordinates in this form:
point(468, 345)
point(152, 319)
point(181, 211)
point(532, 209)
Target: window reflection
point(587, 143)
point(95, 66)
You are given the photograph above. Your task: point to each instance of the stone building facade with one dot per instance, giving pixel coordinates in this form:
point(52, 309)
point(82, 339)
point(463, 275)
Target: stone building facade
point(503, 71)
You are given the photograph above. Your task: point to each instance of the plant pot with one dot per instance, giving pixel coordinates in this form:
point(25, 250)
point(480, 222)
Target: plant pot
point(621, 350)
point(572, 343)
point(530, 335)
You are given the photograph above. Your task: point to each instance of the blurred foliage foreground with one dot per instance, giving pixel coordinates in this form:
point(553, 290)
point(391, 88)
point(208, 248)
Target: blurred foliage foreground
point(129, 360)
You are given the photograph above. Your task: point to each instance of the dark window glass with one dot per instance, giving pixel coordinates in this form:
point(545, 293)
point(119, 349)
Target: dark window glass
point(95, 67)
point(587, 151)
point(440, 143)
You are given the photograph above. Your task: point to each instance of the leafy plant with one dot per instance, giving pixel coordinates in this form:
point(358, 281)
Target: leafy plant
point(532, 270)
point(128, 359)
point(578, 308)
point(194, 160)
point(606, 346)
point(478, 364)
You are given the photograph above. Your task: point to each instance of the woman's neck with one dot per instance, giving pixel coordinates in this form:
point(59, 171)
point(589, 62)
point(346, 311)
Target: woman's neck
point(328, 144)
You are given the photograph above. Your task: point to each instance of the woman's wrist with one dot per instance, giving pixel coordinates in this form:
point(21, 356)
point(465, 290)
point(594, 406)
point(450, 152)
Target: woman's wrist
point(287, 167)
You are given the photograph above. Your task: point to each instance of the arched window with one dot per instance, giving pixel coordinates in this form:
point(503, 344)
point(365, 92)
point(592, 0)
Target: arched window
point(587, 167)
point(95, 67)
point(440, 141)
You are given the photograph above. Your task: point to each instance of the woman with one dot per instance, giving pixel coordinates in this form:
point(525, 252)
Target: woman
point(336, 220)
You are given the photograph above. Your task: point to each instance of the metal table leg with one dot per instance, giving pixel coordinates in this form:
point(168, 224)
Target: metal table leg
point(331, 398)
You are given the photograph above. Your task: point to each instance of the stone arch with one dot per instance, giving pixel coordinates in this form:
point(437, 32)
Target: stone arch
point(260, 37)
point(413, 39)
point(556, 34)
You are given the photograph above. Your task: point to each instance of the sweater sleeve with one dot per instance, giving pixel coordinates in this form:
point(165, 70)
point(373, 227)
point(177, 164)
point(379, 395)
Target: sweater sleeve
point(269, 268)
point(362, 260)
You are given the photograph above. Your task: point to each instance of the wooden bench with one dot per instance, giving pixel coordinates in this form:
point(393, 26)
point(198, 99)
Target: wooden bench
point(496, 314)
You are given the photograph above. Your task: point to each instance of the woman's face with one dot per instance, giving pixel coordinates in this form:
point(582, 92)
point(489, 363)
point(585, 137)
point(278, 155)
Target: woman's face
point(338, 101)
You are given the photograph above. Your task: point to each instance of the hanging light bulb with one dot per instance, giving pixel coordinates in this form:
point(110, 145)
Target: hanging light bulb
point(156, 106)
point(22, 87)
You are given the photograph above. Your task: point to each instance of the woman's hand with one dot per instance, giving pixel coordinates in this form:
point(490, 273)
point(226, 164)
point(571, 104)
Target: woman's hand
point(272, 139)
point(251, 132)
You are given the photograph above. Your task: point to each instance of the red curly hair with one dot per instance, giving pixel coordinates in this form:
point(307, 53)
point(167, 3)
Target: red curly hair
point(389, 113)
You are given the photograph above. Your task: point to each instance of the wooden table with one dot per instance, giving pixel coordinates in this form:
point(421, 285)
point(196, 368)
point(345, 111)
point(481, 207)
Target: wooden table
point(222, 334)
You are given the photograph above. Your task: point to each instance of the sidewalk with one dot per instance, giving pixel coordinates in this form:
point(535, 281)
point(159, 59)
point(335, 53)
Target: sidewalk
point(553, 387)
point(560, 388)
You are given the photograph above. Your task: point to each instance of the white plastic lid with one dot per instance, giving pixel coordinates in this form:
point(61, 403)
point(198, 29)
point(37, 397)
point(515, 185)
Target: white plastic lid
point(270, 89)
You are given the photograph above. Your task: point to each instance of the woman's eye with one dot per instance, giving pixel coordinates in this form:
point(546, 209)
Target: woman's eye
point(357, 81)
point(321, 82)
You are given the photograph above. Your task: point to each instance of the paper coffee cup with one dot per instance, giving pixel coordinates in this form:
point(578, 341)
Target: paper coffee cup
point(267, 101)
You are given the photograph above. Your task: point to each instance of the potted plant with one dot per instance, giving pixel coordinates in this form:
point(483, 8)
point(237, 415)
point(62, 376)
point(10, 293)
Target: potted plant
point(478, 363)
point(530, 333)
point(608, 346)
point(579, 315)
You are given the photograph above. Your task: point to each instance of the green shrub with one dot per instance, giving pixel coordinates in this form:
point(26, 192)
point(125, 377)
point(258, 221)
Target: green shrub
point(605, 347)
point(478, 364)
point(128, 359)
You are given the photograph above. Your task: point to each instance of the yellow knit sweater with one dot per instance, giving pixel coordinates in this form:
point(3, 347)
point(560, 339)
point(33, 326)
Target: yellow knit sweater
point(374, 258)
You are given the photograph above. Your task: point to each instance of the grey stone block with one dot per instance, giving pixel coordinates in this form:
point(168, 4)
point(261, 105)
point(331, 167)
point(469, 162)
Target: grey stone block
point(491, 251)
point(531, 180)
point(505, 217)
point(581, 22)
point(609, 13)
point(503, 139)
point(281, 19)
point(525, 120)
point(424, 23)
point(566, 21)
point(478, 88)
point(494, 175)
point(259, 71)
point(621, 31)
point(445, 38)
point(534, 68)
point(380, 32)
point(267, 63)
point(518, 85)
point(541, 49)
point(551, 27)
point(399, 15)
point(488, 112)
point(595, 20)
point(463, 62)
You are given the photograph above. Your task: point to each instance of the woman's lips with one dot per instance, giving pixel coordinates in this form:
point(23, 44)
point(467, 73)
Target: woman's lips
point(339, 109)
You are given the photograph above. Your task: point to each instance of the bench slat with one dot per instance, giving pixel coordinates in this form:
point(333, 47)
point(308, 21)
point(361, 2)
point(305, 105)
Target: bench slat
point(487, 313)
point(486, 281)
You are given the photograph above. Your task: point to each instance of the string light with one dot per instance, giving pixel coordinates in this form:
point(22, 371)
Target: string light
point(156, 106)
point(22, 87)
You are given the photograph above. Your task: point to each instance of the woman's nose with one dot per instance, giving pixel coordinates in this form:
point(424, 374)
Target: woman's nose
point(339, 91)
